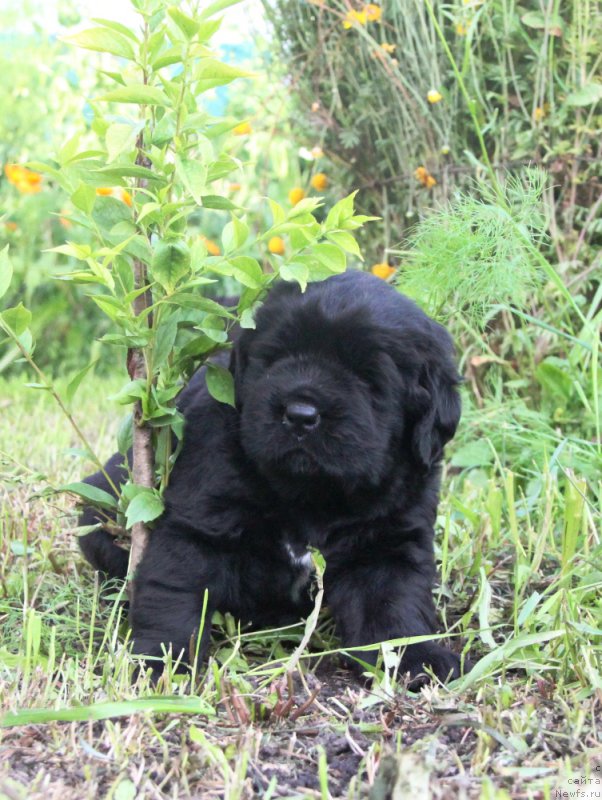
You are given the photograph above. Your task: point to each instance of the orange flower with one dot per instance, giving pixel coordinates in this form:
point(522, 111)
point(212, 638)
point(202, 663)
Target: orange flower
point(65, 222)
point(235, 187)
point(211, 246)
point(420, 174)
point(424, 176)
point(243, 129)
point(383, 271)
point(276, 245)
point(126, 197)
point(319, 181)
point(11, 226)
point(373, 12)
point(295, 195)
point(104, 191)
point(25, 180)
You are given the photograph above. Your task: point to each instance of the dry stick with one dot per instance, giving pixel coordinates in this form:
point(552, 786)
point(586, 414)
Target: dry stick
point(143, 466)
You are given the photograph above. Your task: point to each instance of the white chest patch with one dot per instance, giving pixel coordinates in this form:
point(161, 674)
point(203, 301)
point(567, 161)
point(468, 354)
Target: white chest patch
point(304, 566)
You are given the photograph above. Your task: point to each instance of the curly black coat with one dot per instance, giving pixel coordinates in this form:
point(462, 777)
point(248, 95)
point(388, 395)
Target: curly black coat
point(346, 395)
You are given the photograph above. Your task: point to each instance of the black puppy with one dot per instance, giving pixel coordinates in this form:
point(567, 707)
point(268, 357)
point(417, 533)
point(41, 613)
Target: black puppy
point(346, 395)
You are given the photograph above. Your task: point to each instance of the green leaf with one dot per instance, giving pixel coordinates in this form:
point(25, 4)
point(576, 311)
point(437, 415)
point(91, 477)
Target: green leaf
point(138, 93)
point(345, 241)
point(170, 263)
point(17, 319)
point(84, 198)
point(132, 391)
point(120, 138)
point(247, 271)
point(186, 24)
point(218, 202)
point(214, 327)
point(110, 306)
point(129, 171)
point(97, 496)
point(116, 26)
point(103, 41)
point(220, 384)
point(125, 434)
point(216, 7)
point(165, 338)
point(305, 207)
point(296, 272)
point(340, 212)
point(75, 382)
point(211, 73)
point(332, 257)
point(278, 213)
point(6, 271)
point(190, 300)
point(553, 375)
point(234, 235)
point(585, 96)
point(540, 21)
point(193, 175)
point(146, 506)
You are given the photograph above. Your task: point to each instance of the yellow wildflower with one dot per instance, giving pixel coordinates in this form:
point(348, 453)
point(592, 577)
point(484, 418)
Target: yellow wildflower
point(126, 197)
point(211, 247)
point(388, 48)
point(430, 182)
point(295, 195)
point(276, 245)
point(461, 29)
point(373, 12)
point(538, 114)
point(319, 181)
point(353, 16)
point(383, 271)
point(434, 96)
point(243, 129)
point(104, 191)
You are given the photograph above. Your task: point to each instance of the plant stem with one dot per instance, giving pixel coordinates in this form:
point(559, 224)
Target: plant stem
point(143, 460)
point(50, 387)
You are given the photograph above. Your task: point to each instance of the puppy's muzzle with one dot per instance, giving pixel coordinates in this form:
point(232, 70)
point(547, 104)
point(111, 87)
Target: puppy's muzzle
point(300, 418)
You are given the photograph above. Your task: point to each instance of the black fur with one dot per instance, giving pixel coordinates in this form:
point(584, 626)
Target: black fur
point(358, 479)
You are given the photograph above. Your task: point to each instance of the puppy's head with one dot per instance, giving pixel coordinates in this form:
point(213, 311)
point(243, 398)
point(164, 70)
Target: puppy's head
point(343, 382)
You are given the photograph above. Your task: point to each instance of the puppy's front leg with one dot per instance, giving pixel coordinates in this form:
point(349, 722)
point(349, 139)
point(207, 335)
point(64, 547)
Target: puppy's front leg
point(169, 595)
point(387, 595)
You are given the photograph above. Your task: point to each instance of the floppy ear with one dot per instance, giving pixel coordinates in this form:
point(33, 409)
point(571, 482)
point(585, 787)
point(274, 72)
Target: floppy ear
point(438, 407)
point(434, 401)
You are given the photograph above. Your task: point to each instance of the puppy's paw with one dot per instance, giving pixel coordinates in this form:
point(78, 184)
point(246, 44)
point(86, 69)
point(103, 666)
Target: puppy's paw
point(445, 665)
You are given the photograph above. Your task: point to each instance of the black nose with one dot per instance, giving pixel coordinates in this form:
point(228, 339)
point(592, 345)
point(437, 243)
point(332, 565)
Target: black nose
point(301, 417)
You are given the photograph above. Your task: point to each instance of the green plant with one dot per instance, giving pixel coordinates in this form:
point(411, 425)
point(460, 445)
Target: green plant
point(141, 193)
